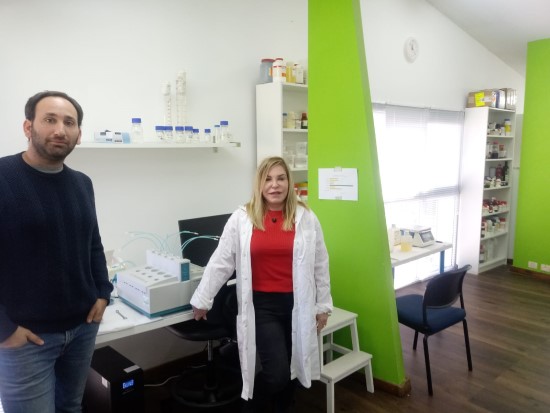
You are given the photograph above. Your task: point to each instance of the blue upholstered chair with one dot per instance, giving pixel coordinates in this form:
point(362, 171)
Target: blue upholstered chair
point(434, 311)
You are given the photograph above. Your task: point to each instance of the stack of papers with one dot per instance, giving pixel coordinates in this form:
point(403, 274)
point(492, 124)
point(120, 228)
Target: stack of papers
point(118, 316)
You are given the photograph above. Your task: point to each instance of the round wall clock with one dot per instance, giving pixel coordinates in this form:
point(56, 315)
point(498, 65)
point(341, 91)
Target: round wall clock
point(411, 49)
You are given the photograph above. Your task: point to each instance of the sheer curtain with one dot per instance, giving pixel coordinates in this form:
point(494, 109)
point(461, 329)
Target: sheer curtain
point(419, 158)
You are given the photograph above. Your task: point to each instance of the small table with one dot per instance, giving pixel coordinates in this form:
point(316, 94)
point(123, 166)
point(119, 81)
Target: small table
point(399, 257)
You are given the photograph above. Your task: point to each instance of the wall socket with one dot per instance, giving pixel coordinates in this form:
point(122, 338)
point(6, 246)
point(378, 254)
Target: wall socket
point(545, 267)
point(533, 265)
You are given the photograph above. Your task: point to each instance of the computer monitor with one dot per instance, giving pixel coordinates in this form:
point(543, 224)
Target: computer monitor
point(199, 251)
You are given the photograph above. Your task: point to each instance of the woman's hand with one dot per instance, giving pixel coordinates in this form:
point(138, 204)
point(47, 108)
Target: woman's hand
point(199, 314)
point(321, 321)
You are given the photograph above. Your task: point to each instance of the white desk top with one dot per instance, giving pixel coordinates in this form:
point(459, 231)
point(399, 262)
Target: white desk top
point(115, 326)
point(399, 257)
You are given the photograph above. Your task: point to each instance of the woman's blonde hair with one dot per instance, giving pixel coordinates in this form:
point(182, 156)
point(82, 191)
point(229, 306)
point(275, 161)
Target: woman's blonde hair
point(257, 207)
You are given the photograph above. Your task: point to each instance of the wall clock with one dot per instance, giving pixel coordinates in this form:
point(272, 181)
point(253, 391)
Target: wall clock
point(411, 49)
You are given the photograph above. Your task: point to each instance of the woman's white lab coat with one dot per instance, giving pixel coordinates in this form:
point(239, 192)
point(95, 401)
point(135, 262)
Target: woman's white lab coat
point(311, 284)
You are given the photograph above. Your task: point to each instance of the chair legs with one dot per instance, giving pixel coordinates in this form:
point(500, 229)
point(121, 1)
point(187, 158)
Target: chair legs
point(467, 341)
point(427, 354)
point(428, 369)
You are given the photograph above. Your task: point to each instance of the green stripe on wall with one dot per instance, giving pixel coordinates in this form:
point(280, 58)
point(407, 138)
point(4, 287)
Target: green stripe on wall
point(531, 241)
point(341, 134)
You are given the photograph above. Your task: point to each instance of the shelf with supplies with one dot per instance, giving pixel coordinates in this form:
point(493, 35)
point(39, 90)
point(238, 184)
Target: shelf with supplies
point(279, 107)
point(157, 145)
point(487, 160)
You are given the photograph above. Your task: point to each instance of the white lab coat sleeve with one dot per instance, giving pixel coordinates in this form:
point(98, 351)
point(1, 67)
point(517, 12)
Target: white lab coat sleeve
point(220, 267)
point(323, 300)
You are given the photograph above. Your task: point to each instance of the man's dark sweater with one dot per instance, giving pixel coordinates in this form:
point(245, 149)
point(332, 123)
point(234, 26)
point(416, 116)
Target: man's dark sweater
point(52, 264)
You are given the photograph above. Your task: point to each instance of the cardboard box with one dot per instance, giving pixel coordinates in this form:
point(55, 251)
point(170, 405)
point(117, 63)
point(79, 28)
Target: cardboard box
point(482, 98)
point(511, 98)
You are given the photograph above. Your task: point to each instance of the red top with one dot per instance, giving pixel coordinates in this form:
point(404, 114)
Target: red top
point(271, 254)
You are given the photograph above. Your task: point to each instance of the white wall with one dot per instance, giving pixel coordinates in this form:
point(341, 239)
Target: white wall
point(114, 56)
point(450, 63)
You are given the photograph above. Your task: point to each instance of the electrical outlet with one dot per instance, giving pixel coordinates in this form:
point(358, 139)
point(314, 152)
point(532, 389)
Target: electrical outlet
point(533, 265)
point(545, 267)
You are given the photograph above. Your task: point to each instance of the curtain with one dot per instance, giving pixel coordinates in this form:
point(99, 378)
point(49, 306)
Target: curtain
point(419, 158)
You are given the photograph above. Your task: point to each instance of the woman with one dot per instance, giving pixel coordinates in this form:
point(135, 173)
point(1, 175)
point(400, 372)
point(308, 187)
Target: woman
point(276, 244)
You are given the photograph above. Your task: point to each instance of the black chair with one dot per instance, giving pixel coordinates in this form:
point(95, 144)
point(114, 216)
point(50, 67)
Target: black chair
point(434, 311)
point(214, 384)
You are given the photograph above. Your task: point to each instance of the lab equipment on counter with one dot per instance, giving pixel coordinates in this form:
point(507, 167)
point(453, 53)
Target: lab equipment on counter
point(421, 236)
point(163, 286)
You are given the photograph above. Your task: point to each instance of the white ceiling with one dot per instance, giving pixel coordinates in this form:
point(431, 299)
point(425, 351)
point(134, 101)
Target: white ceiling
point(503, 26)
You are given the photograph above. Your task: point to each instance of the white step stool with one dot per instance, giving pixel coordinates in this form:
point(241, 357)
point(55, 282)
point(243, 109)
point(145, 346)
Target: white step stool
point(352, 360)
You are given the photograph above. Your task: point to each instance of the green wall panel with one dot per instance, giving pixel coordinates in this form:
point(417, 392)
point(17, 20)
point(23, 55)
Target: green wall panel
point(532, 220)
point(341, 134)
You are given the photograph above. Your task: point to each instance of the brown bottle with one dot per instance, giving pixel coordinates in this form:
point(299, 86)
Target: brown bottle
point(303, 122)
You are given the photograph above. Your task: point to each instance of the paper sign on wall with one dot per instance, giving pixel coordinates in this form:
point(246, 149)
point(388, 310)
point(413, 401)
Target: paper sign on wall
point(338, 184)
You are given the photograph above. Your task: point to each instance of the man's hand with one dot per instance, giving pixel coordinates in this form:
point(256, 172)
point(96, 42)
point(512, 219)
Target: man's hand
point(96, 313)
point(20, 337)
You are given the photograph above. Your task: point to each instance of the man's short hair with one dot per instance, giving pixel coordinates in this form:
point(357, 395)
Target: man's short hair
point(30, 107)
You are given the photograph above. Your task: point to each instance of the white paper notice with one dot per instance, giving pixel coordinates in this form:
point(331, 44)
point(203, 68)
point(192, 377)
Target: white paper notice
point(338, 183)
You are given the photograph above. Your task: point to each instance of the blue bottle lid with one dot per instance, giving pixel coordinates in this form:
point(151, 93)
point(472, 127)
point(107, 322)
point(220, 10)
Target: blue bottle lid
point(224, 123)
point(159, 127)
point(207, 131)
point(189, 128)
point(179, 128)
point(136, 120)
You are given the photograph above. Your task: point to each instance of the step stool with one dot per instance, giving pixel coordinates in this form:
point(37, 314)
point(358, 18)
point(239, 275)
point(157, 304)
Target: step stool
point(351, 360)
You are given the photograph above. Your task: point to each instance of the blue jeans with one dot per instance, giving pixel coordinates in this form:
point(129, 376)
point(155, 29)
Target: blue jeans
point(50, 378)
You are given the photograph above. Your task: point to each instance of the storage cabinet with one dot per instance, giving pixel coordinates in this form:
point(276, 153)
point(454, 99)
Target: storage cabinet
point(485, 188)
point(274, 137)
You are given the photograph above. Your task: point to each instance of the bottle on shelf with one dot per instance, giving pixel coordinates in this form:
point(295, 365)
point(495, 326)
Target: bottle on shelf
point(303, 121)
point(136, 135)
point(506, 172)
point(225, 136)
point(482, 253)
point(498, 172)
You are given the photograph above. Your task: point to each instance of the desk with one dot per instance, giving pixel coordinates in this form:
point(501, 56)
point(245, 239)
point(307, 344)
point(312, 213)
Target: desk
point(399, 257)
point(152, 324)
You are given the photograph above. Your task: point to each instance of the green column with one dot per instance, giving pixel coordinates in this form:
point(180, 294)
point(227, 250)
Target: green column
point(532, 222)
point(341, 134)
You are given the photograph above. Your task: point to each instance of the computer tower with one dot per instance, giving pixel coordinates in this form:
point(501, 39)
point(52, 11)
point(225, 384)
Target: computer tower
point(114, 385)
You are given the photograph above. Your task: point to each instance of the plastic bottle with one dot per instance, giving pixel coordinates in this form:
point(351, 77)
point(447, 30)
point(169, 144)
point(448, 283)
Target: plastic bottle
point(498, 172)
point(169, 133)
point(507, 127)
point(224, 131)
point(391, 238)
point(279, 70)
point(180, 135)
point(406, 242)
point(266, 67)
point(188, 134)
point(159, 131)
point(216, 134)
point(289, 72)
point(136, 136)
point(196, 137)
point(298, 74)
point(207, 137)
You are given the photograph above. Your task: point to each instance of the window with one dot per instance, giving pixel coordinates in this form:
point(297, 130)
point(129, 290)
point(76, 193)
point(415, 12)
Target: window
point(419, 159)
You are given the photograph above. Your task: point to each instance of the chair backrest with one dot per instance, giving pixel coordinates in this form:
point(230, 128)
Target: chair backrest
point(444, 289)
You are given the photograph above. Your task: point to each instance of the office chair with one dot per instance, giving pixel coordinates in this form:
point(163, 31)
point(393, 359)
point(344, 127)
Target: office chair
point(434, 311)
point(222, 384)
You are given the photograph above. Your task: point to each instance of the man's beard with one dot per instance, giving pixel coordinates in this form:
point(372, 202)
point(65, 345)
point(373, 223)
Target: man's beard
point(58, 154)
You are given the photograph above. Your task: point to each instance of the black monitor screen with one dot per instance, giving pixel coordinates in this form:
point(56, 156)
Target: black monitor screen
point(199, 251)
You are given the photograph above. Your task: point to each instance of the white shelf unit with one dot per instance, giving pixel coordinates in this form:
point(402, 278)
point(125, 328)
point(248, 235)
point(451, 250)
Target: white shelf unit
point(474, 168)
point(272, 100)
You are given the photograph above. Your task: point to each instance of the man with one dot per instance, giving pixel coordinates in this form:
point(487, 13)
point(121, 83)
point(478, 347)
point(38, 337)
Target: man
point(54, 285)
